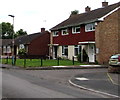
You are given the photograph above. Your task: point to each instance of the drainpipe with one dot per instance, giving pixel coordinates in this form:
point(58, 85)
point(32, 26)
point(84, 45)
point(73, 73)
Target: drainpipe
point(88, 52)
point(81, 53)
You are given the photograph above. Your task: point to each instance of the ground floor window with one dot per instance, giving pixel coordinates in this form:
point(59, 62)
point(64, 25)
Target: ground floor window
point(77, 49)
point(65, 50)
point(4, 49)
point(8, 49)
point(21, 46)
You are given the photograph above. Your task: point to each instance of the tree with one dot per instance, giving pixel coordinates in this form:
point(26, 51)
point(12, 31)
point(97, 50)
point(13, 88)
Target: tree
point(20, 33)
point(75, 12)
point(7, 30)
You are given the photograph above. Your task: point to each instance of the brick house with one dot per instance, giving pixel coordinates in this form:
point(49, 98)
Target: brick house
point(35, 44)
point(83, 33)
point(107, 36)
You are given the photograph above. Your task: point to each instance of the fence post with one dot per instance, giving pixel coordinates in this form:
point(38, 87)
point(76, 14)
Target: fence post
point(41, 62)
point(73, 60)
point(13, 60)
point(7, 60)
point(24, 62)
point(58, 61)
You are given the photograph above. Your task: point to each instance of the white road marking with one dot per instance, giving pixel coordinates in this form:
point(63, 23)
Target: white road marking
point(58, 66)
point(82, 79)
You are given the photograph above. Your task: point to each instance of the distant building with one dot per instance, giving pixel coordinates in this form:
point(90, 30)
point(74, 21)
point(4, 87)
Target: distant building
point(6, 47)
point(35, 44)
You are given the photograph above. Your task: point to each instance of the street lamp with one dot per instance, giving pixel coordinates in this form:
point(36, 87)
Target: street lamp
point(12, 40)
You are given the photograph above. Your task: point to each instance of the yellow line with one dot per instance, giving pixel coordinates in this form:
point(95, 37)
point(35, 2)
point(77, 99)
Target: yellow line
point(111, 79)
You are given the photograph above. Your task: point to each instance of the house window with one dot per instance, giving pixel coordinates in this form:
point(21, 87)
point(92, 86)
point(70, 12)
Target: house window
point(55, 33)
point(8, 49)
point(65, 50)
point(22, 46)
point(4, 49)
point(77, 49)
point(65, 32)
point(90, 27)
point(75, 30)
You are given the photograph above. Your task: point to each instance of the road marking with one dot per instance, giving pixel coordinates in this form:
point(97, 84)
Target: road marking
point(58, 66)
point(90, 65)
point(82, 79)
point(110, 78)
point(81, 87)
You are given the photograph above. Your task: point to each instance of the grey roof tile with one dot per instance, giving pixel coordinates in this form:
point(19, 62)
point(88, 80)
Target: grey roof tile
point(87, 17)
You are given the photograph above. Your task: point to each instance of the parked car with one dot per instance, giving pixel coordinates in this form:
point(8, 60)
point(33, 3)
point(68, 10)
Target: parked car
point(114, 60)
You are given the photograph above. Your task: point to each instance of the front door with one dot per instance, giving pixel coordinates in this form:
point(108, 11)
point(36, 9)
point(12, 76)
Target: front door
point(55, 51)
point(91, 52)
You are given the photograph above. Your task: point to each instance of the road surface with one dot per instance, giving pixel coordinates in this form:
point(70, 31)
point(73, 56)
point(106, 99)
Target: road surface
point(17, 83)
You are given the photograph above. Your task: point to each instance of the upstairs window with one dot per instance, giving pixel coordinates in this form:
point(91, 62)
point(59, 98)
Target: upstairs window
point(55, 33)
point(75, 30)
point(65, 32)
point(90, 27)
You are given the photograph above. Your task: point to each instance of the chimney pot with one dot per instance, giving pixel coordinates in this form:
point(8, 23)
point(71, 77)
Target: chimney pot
point(42, 29)
point(104, 4)
point(87, 9)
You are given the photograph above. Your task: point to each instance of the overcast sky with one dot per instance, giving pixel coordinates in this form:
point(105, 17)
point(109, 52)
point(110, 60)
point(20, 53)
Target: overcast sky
point(31, 15)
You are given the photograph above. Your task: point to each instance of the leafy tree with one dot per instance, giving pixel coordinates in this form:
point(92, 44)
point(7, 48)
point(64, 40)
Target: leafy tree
point(20, 33)
point(7, 30)
point(75, 12)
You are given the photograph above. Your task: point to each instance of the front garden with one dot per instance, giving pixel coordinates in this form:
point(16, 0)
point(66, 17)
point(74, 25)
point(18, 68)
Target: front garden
point(40, 62)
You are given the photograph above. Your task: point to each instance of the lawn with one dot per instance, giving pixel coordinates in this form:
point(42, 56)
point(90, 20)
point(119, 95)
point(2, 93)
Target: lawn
point(38, 62)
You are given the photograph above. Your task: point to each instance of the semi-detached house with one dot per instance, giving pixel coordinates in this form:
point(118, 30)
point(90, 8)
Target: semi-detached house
point(84, 34)
point(36, 44)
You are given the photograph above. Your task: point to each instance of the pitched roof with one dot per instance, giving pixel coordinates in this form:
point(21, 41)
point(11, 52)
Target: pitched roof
point(88, 17)
point(26, 39)
point(5, 42)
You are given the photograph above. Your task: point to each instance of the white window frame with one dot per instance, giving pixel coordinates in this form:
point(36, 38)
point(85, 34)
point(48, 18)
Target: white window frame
point(55, 33)
point(90, 27)
point(4, 49)
point(9, 49)
point(77, 47)
point(63, 50)
point(74, 29)
point(66, 32)
point(21, 46)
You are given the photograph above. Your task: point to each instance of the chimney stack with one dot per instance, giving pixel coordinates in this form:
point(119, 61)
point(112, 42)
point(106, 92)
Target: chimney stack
point(87, 9)
point(42, 29)
point(104, 4)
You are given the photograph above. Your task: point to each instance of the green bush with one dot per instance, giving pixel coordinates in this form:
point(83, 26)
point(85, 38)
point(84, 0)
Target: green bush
point(21, 52)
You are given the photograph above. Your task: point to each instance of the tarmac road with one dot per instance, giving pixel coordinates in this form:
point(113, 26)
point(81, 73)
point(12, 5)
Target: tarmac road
point(44, 84)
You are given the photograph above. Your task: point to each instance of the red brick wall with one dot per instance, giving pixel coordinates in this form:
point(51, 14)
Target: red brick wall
point(73, 39)
point(107, 37)
point(39, 46)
